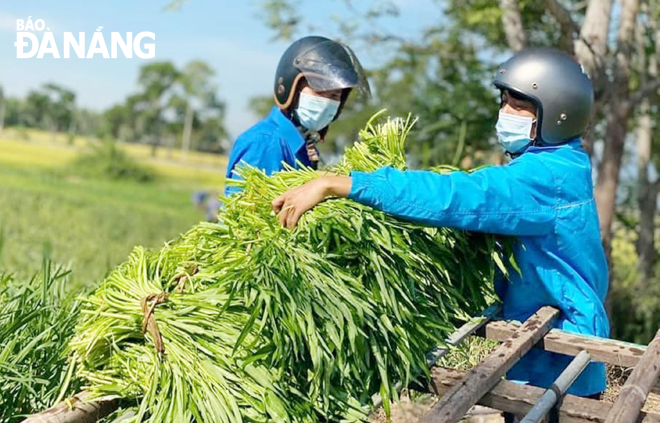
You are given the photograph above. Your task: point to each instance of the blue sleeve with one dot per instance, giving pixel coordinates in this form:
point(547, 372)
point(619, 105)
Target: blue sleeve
point(518, 199)
point(264, 151)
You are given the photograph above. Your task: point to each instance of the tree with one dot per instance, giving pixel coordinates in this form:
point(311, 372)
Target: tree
point(114, 119)
point(156, 81)
point(437, 77)
point(616, 115)
point(513, 25)
point(37, 107)
point(89, 123)
point(3, 104)
point(213, 135)
point(648, 39)
point(14, 111)
point(198, 88)
point(61, 111)
point(52, 107)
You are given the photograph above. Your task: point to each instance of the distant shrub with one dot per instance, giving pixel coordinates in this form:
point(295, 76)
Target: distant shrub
point(22, 133)
point(106, 160)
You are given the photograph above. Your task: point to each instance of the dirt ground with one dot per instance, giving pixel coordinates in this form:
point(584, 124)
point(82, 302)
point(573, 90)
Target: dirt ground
point(408, 411)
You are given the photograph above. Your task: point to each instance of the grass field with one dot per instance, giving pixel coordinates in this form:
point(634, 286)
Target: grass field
point(91, 224)
point(36, 136)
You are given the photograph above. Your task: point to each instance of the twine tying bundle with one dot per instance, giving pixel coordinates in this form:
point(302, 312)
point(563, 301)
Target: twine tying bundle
point(149, 321)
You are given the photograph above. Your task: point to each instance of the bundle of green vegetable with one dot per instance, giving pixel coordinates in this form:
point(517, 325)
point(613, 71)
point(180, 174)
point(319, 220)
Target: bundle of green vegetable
point(246, 321)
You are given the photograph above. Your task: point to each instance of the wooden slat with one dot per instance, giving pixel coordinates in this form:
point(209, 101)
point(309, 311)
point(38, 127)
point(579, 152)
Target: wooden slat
point(519, 399)
point(633, 394)
point(478, 381)
point(82, 411)
point(609, 351)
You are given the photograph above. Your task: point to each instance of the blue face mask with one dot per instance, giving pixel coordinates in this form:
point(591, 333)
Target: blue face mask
point(513, 132)
point(315, 112)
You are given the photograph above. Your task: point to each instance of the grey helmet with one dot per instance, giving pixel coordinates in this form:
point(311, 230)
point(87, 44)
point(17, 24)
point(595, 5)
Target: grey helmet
point(325, 65)
point(559, 86)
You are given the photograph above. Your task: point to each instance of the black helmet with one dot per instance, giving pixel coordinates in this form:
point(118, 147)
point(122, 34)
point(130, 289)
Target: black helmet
point(325, 65)
point(562, 91)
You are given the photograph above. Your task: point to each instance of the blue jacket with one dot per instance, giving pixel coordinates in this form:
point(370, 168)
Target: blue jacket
point(545, 197)
point(267, 144)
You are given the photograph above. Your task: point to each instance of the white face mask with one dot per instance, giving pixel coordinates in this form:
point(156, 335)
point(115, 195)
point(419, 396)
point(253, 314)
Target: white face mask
point(315, 112)
point(514, 132)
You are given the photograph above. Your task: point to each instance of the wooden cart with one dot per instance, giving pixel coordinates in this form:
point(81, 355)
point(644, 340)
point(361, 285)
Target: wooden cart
point(484, 384)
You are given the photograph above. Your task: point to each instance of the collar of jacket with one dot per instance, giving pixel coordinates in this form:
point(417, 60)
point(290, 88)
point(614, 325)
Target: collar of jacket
point(291, 134)
point(574, 144)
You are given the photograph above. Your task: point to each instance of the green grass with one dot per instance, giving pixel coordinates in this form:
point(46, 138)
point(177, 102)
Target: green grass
point(91, 224)
point(61, 141)
point(37, 318)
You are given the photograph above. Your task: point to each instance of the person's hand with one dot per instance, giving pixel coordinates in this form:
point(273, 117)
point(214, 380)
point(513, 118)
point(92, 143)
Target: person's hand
point(295, 202)
point(312, 152)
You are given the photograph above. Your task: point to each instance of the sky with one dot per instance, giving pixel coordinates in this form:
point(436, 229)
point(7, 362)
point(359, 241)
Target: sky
point(227, 34)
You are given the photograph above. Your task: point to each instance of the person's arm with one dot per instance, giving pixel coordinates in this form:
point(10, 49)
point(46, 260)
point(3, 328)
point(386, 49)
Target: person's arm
point(511, 200)
point(514, 200)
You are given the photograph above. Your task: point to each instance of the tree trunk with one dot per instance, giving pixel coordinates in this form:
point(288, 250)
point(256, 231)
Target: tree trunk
point(609, 167)
point(53, 130)
point(647, 199)
point(647, 195)
point(591, 47)
point(590, 50)
point(2, 115)
point(73, 127)
point(159, 128)
point(513, 24)
point(187, 131)
point(588, 144)
point(567, 24)
point(170, 145)
point(154, 146)
point(617, 119)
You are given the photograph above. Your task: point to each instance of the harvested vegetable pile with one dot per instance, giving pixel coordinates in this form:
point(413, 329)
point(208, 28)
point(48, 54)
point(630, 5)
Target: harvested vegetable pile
point(246, 321)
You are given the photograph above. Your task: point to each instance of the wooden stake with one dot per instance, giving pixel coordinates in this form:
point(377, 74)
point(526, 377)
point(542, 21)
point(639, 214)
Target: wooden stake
point(633, 394)
point(81, 411)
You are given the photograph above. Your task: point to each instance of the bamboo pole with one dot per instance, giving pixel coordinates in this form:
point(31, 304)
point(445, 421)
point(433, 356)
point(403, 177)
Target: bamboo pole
point(634, 392)
point(77, 409)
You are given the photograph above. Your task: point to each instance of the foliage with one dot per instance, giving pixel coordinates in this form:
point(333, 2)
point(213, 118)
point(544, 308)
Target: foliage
point(37, 318)
point(441, 73)
point(636, 308)
point(469, 353)
point(152, 115)
point(107, 160)
point(438, 76)
point(254, 322)
point(50, 107)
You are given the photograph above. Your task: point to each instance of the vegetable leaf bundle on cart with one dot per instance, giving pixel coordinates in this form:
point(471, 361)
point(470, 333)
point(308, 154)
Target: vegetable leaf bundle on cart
point(245, 321)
